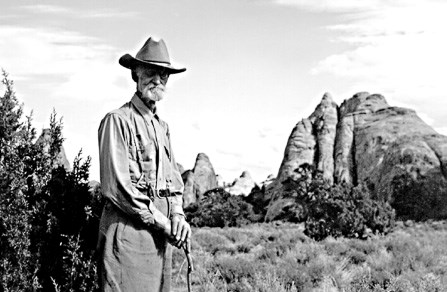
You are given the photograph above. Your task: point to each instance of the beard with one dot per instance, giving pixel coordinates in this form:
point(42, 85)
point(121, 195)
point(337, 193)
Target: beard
point(155, 93)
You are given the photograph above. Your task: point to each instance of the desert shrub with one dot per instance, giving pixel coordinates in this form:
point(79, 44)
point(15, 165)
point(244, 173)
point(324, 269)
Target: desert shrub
point(336, 209)
point(212, 242)
point(404, 260)
point(235, 235)
point(336, 247)
point(269, 281)
point(420, 283)
point(234, 269)
point(219, 208)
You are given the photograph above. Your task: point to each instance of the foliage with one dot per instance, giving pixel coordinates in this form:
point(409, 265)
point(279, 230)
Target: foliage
point(336, 209)
point(65, 229)
point(49, 220)
point(219, 208)
point(16, 267)
point(258, 199)
point(419, 198)
point(282, 258)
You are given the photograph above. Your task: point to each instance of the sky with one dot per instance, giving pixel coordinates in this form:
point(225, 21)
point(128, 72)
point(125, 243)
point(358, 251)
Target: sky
point(254, 67)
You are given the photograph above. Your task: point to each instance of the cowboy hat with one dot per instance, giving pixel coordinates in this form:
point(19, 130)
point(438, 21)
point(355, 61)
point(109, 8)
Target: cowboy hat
point(152, 53)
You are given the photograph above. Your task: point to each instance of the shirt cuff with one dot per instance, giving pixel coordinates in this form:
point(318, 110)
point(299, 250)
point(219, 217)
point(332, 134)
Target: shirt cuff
point(177, 210)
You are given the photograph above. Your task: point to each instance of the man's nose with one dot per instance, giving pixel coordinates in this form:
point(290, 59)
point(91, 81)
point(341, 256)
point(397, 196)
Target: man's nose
point(156, 79)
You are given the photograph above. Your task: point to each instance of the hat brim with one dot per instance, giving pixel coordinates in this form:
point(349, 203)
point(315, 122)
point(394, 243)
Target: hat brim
point(130, 62)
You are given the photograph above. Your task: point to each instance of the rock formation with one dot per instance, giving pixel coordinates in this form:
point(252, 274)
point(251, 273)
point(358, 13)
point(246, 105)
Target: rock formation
point(368, 141)
point(189, 194)
point(180, 167)
point(44, 140)
point(269, 180)
point(324, 121)
point(198, 180)
point(241, 185)
point(220, 181)
point(311, 141)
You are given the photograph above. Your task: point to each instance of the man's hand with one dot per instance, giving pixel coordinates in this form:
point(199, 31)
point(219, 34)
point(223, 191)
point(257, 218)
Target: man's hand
point(180, 230)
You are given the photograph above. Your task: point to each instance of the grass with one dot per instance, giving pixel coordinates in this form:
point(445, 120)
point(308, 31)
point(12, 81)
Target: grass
point(279, 257)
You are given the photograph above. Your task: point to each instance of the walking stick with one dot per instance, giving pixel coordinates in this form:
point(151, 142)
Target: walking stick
point(187, 249)
point(165, 225)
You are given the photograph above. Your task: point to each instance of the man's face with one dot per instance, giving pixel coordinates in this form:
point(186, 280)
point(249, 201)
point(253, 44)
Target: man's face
point(151, 82)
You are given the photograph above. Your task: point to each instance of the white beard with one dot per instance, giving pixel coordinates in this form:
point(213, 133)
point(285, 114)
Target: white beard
point(156, 93)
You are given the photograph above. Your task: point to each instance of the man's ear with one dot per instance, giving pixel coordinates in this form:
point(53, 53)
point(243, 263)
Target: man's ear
point(134, 76)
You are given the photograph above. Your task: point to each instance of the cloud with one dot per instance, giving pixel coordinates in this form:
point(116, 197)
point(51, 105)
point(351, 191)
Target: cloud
point(398, 50)
point(59, 10)
point(334, 6)
point(396, 47)
point(228, 153)
point(45, 8)
point(397, 44)
point(75, 60)
point(111, 14)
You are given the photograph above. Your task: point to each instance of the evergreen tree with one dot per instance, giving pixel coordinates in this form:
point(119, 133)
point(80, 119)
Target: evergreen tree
point(48, 217)
point(16, 269)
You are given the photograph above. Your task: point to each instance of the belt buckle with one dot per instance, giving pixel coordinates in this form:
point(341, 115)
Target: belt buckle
point(165, 193)
point(153, 192)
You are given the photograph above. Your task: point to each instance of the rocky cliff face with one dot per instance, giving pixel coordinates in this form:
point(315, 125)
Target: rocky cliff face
point(198, 180)
point(242, 185)
point(363, 140)
point(312, 142)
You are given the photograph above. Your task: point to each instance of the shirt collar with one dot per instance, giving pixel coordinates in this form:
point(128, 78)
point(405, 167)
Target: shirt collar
point(142, 108)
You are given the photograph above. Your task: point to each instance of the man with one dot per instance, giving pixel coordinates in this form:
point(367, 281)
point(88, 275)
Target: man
point(141, 182)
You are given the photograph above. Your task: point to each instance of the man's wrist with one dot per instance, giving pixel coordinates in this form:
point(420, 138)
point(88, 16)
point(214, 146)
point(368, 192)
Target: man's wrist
point(178, 214)
point(177, 209)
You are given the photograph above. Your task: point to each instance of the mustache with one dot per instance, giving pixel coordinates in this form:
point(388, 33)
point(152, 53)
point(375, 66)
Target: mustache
point(158, 88)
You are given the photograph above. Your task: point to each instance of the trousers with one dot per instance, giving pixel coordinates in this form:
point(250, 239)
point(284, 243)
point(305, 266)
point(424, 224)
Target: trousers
point(132, 256)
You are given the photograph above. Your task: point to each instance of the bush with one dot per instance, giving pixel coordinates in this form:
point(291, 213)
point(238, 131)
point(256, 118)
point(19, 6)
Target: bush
point(218, 208)
point(258, 199)
point(336, 210)
point(65, 229)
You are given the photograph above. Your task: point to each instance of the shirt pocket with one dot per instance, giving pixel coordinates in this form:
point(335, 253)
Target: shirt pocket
point(147, 151)
point(142, 149)
point(136, 151)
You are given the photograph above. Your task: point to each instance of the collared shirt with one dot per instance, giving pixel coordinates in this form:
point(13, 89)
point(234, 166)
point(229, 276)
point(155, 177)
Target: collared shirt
point(136, 155)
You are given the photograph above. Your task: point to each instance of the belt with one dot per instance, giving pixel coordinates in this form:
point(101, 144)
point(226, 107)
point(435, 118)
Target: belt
point(165, 193)
point(160, 193)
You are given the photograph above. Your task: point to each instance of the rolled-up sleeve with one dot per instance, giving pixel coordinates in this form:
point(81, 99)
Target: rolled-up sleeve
point(113, 136)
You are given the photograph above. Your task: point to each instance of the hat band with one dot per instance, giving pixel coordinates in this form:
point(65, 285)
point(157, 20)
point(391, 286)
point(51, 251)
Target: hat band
point(153, 61)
